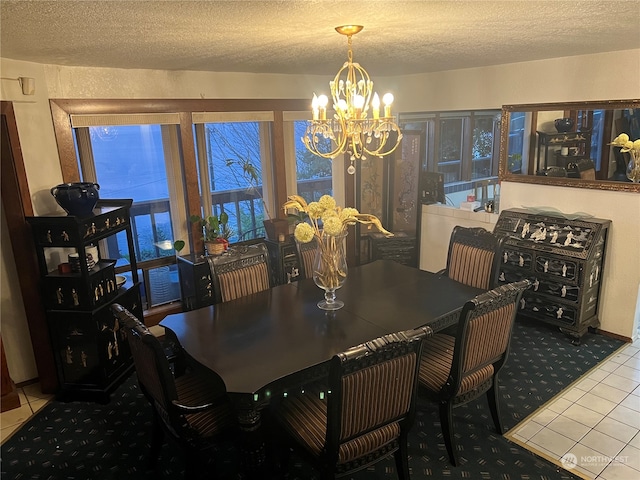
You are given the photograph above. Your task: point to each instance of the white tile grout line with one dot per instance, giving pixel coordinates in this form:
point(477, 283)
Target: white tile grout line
point(563, 391)
point(510, 435)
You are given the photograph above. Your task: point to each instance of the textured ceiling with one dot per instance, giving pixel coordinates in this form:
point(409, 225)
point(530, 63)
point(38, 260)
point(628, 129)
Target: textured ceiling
point(400, 37)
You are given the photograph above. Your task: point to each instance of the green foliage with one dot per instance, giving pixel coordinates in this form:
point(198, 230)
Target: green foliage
point(482, 143)
point(514, 162)
point(213, 226)
point(178, 245)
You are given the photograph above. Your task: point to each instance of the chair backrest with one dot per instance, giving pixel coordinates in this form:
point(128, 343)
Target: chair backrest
point(587, 169)
point(474, 256)
point(307, 254)
point(372, 392)
point(151, 364)
point(483, 337)
point(242, 270)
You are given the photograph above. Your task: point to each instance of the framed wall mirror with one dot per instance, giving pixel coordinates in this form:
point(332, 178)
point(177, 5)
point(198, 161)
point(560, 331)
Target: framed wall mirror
point(567, 144)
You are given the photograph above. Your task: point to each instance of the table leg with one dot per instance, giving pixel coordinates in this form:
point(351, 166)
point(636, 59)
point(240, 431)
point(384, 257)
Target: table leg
point(252, 446)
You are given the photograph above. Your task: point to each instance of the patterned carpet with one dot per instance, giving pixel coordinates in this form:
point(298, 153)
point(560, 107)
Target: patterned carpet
point(82, 441)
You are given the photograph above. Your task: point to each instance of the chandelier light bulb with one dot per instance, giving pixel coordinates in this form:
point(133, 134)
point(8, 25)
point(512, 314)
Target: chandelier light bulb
point(358, 105)
point(322, 104)
point(387, 100)
point(375, 103)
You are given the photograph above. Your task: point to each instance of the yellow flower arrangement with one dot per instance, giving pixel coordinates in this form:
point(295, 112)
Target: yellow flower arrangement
point(327, 218)
point(328, 225)
point(633, 147)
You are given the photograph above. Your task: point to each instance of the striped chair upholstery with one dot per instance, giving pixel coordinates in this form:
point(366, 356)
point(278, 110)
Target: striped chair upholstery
point(362, 413)
point(241, 271)
point(456, 370)
point(307, 254)
point(192, 409)
point(474, 257)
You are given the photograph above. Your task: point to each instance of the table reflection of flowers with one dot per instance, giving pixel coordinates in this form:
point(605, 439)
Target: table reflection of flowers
point(633, 148)
point(328, 224)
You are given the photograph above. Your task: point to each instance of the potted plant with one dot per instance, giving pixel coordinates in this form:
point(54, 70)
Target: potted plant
point(215, 232)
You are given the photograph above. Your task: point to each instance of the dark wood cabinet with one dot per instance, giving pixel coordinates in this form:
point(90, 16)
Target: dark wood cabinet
point(90, 348)
point(564, 258)
point(284, 260)
point(400, 248)
point(577, 144)
point(196, 281)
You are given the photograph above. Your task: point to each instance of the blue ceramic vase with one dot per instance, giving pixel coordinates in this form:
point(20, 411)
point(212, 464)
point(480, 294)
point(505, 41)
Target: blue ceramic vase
point(563, 125)
point(77, 198)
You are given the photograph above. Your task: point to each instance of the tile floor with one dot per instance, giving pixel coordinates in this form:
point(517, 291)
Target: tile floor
point(592, 428)
point(31, 400)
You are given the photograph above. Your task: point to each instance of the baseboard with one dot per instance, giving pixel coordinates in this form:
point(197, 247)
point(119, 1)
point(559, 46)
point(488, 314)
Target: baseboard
point(615, 336)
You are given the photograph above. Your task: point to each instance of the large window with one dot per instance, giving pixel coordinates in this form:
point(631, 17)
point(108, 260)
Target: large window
point(178, 158)
point(461, 145)
point(313, 173)
point(233, 166)
point(137, 161)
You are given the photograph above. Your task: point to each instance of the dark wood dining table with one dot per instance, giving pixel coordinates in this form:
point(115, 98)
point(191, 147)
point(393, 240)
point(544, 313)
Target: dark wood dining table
point(274, 341)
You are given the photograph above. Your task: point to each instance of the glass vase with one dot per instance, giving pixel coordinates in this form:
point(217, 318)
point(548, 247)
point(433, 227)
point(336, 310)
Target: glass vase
point(330, 269)
point(633, 167)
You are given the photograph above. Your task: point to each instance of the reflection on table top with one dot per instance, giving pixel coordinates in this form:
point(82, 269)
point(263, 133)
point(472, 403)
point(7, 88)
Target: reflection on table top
point(255, 340)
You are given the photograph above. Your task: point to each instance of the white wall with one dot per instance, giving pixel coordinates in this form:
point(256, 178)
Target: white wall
point(590, 77)
point(436, 226)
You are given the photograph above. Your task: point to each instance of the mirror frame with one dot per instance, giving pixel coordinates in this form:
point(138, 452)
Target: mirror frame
point(505, 175)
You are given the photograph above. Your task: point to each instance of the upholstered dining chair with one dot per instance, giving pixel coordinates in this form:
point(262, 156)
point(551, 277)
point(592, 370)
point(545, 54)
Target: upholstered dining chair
point(587, 169)
point(456, 370)
point(242, 270)
point(361, 414)
point(474, 257)
point(192, 409)
point(307, 254)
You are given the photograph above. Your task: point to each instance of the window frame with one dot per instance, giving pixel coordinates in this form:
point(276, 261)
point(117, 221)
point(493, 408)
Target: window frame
point(62, 109)
point(430, 122)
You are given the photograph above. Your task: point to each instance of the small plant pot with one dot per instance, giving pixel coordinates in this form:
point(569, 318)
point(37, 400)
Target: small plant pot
point(216, 247)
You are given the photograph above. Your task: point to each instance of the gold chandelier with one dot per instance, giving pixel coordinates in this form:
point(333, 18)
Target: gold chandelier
point(352, 130)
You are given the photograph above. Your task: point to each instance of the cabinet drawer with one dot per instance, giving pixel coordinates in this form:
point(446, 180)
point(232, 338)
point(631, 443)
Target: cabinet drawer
point(565, 268)
point(517, 258)
point(565, 291)
point(549, 311)
point(542, 286)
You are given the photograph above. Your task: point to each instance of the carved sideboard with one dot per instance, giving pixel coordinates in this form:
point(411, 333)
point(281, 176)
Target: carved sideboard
point(564, 259)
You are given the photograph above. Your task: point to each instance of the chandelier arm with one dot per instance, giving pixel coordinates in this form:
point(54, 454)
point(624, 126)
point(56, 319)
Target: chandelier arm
point(350, 130)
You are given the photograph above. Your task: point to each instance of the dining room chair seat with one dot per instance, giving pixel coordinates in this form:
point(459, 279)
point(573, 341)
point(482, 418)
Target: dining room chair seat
point(306, 417)
point(361, 413)
point(192, 409)
point(455, 370)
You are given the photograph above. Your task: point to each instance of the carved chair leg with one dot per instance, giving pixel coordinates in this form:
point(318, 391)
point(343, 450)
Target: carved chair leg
point(402, 459)
point(494, 405)
point(446, 422)
point(157, 439)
